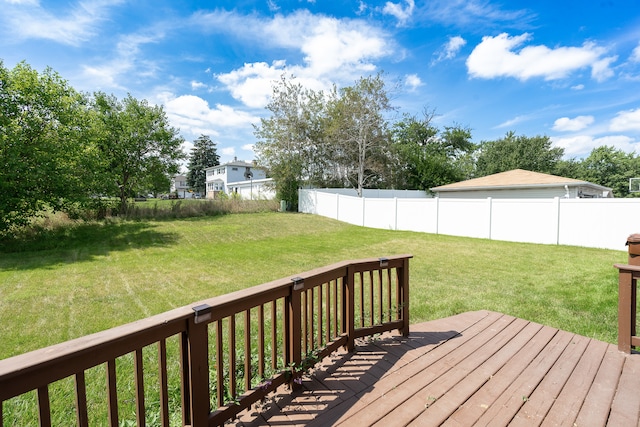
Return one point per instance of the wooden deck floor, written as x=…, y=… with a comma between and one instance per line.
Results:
x=476, y=368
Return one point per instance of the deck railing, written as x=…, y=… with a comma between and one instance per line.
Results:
x=204, y=363
x=627, y=306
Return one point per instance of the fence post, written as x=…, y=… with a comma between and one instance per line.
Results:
x=198, y=346
x=625, y=280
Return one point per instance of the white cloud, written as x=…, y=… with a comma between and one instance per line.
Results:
x=451, y=48
x=582, y=145
x=565, y=124
x=197, y=85
x=248, y=147
x=252, y=83
x=328, y=44
x=475, y=13
x=402, y=14
x=626, y=121
x=514, y=121
x=578, y=87
x=193, y=115
x=28, y=19
x=412, y=81
x=497, y=57
x=126, y=62
x=228, y=151
x=333, y=50
x=601, y=71
x=635, y=54
x=273, y=7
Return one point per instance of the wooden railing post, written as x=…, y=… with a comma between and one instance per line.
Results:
x=625, y=280
x=627, y=300
x=294, y=329
x=199, y=366
x=403, y=291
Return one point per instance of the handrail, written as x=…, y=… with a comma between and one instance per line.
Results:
x=223, y=354
x=627, y=306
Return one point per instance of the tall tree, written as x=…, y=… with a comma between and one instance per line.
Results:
x=359, y=132
x=291, y=143
x=612, y=168
x=204, y=154
x=42, y=128
x=518, y=152
x=136, y=145
x=427, y=157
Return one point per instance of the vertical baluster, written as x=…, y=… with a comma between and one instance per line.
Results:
x=329, y=313
x=261, y=341
x=164, y=383
x=320, y=318
x=361, y=275
x=247, y=350
x=310, y=305
x=185, y=385
x=112, y=393
x=380, y=298
x=286, y=332
x=389, y=294
x=274, y=336
x=305, y=316
x=232, y=356
x=335, y=307
x=139, y=385
x=219, y=364
x=82, y=417
x=44, y=406
x=372, y=310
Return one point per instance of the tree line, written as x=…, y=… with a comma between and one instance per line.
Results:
x=354, y=137
x=75, y=152
x=69, y=151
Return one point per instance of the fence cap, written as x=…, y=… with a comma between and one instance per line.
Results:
x=633, y=238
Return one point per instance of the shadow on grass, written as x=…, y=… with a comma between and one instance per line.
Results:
x=80, y=242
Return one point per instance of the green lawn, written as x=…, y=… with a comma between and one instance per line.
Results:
x=93, y=277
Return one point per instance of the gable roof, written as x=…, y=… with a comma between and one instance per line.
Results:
x=517, y=178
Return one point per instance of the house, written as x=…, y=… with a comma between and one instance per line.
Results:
x=180, y=188
x=522, y=184
x=239, y=177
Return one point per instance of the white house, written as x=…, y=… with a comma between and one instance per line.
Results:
x=522, y=184
x=179, y=186
x=239, y=177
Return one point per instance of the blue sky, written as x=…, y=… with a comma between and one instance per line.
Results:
x=567, y=69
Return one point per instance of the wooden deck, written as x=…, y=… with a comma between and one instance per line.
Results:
x=476, y=368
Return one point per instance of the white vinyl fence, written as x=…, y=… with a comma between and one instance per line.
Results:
x=596, y=223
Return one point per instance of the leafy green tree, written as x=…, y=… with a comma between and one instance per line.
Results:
x=135, y=145
x=203, y=155
x=427, y=157
x=358, y=131
x=42, y=128
x=291, y=143
x=612, y=168
x=517, y=152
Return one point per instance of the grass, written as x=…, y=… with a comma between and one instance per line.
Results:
x=89, y=277
x=67, y=279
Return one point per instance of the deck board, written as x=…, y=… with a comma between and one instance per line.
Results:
x=476, y=368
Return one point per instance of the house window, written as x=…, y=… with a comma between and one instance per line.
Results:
x=234, y=169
